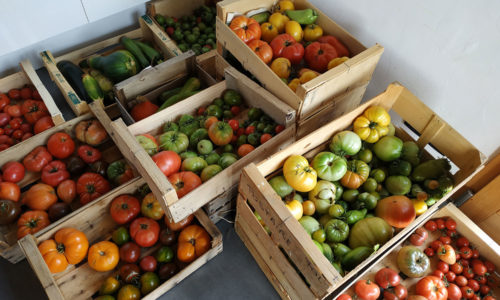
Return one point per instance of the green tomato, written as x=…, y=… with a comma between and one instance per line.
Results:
x=336, y=231
x=323, y=196
x=227, y=160
x=198, y=135
x=411, y=153
x=254, y=114
x=324, y=219
x=269, y=128
x=188, y=154
x=242, y=139
x=365, y=155
x=260, y=127
x=319, y=235
x=109, y=286
x=280, y=186
x=120, y=236
x=214, y=110
x=212, y=158
x=370, y=232
x=400, y=167
x=370, y=185
x=309, y=224
x=388, y=148
x=340, y=250
x=345, y=143
x=128, y=292
x=366, y=200
x=231, y=97
x=188, y=124
x=398, y=185
x=329, y=166
x=336, y=211
x=218, y=102
x=149, y=281
x=164, y=255
x=209, y=172
x=350, y=195
x=194, y=164
x=228, y=148
x=254, y=139
x=204, y=147
x=339, y=191
x=170, y=126
x=378, y=174
x=175, y=141
x=298, y=197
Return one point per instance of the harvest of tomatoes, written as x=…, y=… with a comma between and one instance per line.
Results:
x=22, y=115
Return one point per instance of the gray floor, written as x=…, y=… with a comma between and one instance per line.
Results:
x=233, y=274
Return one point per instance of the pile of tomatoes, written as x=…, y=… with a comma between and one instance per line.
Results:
x=22, y=114
x=67, y=168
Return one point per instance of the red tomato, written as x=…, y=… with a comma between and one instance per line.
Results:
x=13, y=110
x=15, y=123
x=89, y=154
x=91, y=186
x=473, y=284
x=26, y=136
x=432, y=288
x=130, y=252
x=34, y=110
x=399, y=292
x=245, y=28
x=66, y=191
x=17, y=134
x=366, y=290
x=461, y=280
x=168, y=162
x=440, y=224
x=462, y=242
x=467, y=292
x=435, y=245
x=475, y=253
x=25, y=127
x=468, y=272
x=54, y=173
x=4, y=119
x=450, y=224
x=480, y=279
x=465, y=252
x=184, y=182
x=457, y=268
x=438, y=273
x=244, y=149
x=235, y=125
x=61, y=145
x=249, y=129
x=235, y=110
x=284, y=45
x=446, y=240
x=3, y=147
x=386, y=278
x=451, y=233
x=318, y=55
x=429, y=252
x=443, y=267
x=4, y=101
x=489, y=266
x=240, y=131
x=13, y=171
x=9, y=191
x=341, y=49
x=279, y=128
x=36, y=95
x=450, y=276
x=418, y=238
x=145, y=231
x=43, y=124
x=344, y=297
x=14, y=94
x=26, y=93
x=478, y=267
x=265, y=137
x=484, y=289
x=124, y=208
x=148, y=263
x=200, y=111
x=262, y=50
x=130, y=273
x=37, y=159
x=464, y=262
x=454, y=292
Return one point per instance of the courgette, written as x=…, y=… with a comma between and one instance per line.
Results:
x=104, y=83
x=431, y=169
x=355, y=257
x=92, y=87
x=117, y=66
x=167, y=94
x=152, y=55
x=135, y=50
x=190, y=88
x=73, y=74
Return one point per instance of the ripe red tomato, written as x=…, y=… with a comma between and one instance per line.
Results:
x=148, y=263
x=438, y=273
x=446, y=240
x=318, y=55
x=387, y=277
x=443, y=267
x=399, y=292
x=143, y=110
x=344, y=297
x=9, y=191
x=429, y=252
x=36, y=95
x=464, y=262
x=33, y=110
x=366, y=290
x=61, y=145
x=130, y=252
x=17, y=134
x=26, y=93
x=26, y=136
x=54, y=173
x=15, y=123
x=37, y=159
x=200, y=111
x=13, y=110
x=480, y=279
x=89, y=154
x=475, y=253
x=14, y=94
x=4, y=119
x=262, y=50
x=468, y=272
x=235, y=110
x=451, y=233
x=432, y=288
x=13, y=171
x=4, y=101
x=124, y=208
x=145, y=231
x=284, y=45
x=91, y=186
x=484, y=289
x=457, y=268
x=462, y=242
x=66, y=191
x=461, y=280
x=43, y=124
x=454, y=292
x=450, y=276
x=450, y=224
x=249, y=129
x=265, y=137
x=184, y=182
x=418, y=238
x=130, y=273
x=168, y=162
x=489, y=266
x=279, y=128
x=465, y=252
x=479, y=268
x=440, y=224
x=467, y=292
x=435, y=245
x=473, y=284
x=235, y=125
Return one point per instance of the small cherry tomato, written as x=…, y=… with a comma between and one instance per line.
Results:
x=450, y=276
x=14, y=94
x=429, y=252
x=265, y=137
x=484, y=289
x=461, y=281
x=450, y=224
x=234, y=124
x=474, y=285
x=446, y=240
x=439, y=274
x=462, y=242
x=475, y=253
x=435, y=245
x=467, y=292
x=249, y=129
x=440, y=224
x=468, y=273
x=465, y=252
x=279, y=128
x=457, y=268
x=235, y=110
x=443, y=267
x=489, y=266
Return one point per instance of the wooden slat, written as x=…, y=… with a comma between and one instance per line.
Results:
x=490, y=171
x=156, y=33
x=13, y=81
x=484, y=203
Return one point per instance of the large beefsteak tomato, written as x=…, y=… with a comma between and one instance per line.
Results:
x=91, y=186
x=169, y=162
x=37, y=159
x=124, y=208
x=329, y=166
x=69, y=246
x=145, y=231
x=356, y=175
x=262, y=49
x=398, y=211
x=31, y=222
x=193, y=241
x=345, y=143
x=432, y=288
x=54, y=173
x=318, y=55
x=370, y=232
x=284, y=45
x=91, y=132
x=184, y=182
x=40, y=197
x=373, y=124
x=247, y=29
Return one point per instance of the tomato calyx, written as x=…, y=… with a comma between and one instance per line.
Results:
x=32, y=223
x=372, y=125
x=144, y=226
x=124, y=206
x=60, y=248
x=90, y=188
x=179, y=185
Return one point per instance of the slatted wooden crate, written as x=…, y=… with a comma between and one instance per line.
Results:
x=28, y=76
x=254, y=96
x=149, y=32
x=331, y=94
x=9, y=249
x=82, y=282
x=289, y=245
x=488, y=249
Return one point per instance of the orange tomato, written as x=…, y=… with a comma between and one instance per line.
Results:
x=176, y=226
x=193, y=241
x=41, y=196
x=397, y=211
x=31, y=222
x=66, y=190
x=269, y=32
x=245, y=149
x=209, y=121
x=9, y=191
x=282, y=67
x=262, y=49
x=184, y=182
x=247, y=29
x=69, y=246
x=103, y=256
x=308, y=207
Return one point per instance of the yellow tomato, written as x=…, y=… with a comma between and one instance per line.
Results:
x=420, y=206
x=294, y=84
x=307, y=76
x=269, y=32
x=298, y=174
x=337, y=61
x=295, y=207
x=282, y=67
x=294, y=29
x=309, y=208
x=312, y=32
x=284, y=5
x=279, y=20
x=373, y=124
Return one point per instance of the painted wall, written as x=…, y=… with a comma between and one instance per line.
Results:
x=444, y=51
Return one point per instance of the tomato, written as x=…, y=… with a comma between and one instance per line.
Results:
x=268, y=32
x=440, y=224
x=450, y=276
x=329, y=166
x=109, y=287
x=278, y=20
x=341, y=48
x=220, y=133
x=4, y=119
x=369, y=232
x=148, y=263
x=61, y=145
x=284, y=45
x=165, y=254
x=465, y=252
x=43, y=124
x=151, y=208
x=294, y=29
x=443, y=267
x=298, y=174
x=209, y=121
x=313, y=32
x=446, y=240
x=489, y=266
x=54, y=173
x=91, y=186
x=31, y=222
x=462, y=242
x=119, y=172
x=446, y=253
x=124, y=208
x=90, y=132
x=357, y=173
x=418, y=238
x=13, y=110
x=17, y=134
x=480, y=279
x=143, y=110
x=468, y=272
x=438, y=273
x=34, y=110
x=235, y=110
x=149, y=282
x=174, y=141
x=450, y=224
x=13, y=171
x=373, y=124
x=473, y=284
x=345, y=143
x=367, y=290
x=282, y=67
x=399, y=292
x=412, y=261
x=177, y=226
x=128, y=292
x=479, y=268
x=235, y=125
x=467, y=292
x=130, y=252
x=148, y=142
x=432, y=288
x=461, y=280
x=435, y=245
x=386, y=278
x=250, y=129
x=247, y=29
x=454, y=292
x=262, y=50
x=4, y=101
x=193, y=242
x=26, y=93
x=103, y=256
x=475, y=253
x=168, y=162
x=429, y=252
x=40, y=197
x=398, y=211
x=484, y=289
x=69, y=246
x=318, y=55
x=245, y=149
x=89, y=154
x=9, y=211
x=9, y=191
x=144, y=231
x=14, y=94
x=344, y=297
x=184, y=182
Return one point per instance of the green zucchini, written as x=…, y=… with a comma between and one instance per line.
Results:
x=355, y=257
x=431, y=169
x=153, y=55
x=92, y=87
x=73, y=75
x=189, y=89
x=167, y=94
x=104, y=83
x=117, y=66
x=135, y=50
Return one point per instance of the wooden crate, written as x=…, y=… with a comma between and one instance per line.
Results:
x=28, y=76
x=9, y=249
x=254, y=95
x=345, y=83
x=488, y=249
x=80, y=281
x=286, y=232
x=149, y=32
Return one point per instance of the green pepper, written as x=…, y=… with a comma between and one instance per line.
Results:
x=304, y=17
x=354, y=216
x=261, y=17
x=336, y=230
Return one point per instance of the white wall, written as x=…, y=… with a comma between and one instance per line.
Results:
x=446, y=52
